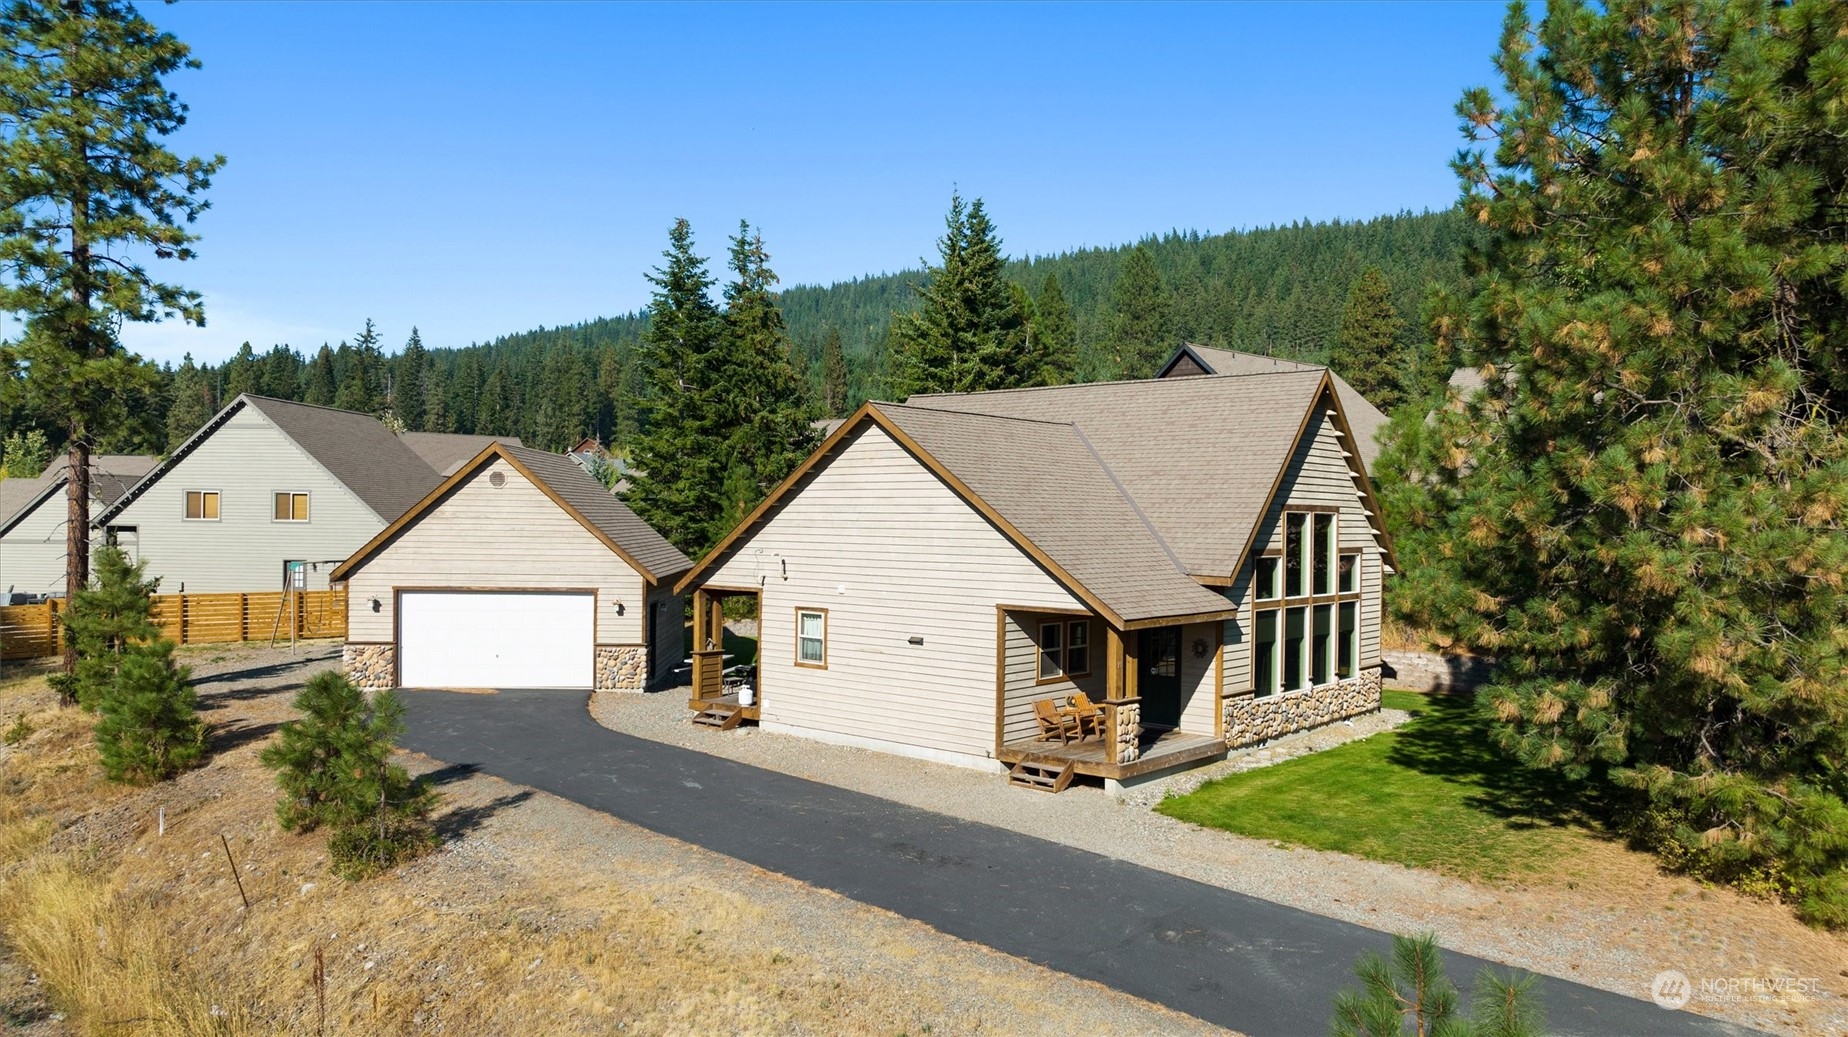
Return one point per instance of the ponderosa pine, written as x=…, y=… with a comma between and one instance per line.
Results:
x=106, y=622
x=148, y=727
x=1642, y=512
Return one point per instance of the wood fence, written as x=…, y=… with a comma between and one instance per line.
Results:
x=32, y=631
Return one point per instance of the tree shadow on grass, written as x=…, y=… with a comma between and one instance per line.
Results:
x=455, y=824
x=225, y=737
x=1451, y=739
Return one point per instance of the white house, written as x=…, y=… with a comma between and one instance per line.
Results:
x=33, y=515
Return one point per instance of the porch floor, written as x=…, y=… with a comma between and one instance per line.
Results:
x=728, y=703
x=1161, y=750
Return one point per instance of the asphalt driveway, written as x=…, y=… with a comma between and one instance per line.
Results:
x=1230, y=959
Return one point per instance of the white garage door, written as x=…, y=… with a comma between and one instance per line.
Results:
x=478, y=639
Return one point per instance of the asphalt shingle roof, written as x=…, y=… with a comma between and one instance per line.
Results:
x=357, y=449
x=111, y=475
x=578, y=488
x=1199, y=456
x=1364, y=418
x=445, y=451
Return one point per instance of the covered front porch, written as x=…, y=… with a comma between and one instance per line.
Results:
x=1149, y=698
x=719, y=691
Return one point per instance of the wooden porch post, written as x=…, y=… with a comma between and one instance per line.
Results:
x=708, y=663
x=1122, y=706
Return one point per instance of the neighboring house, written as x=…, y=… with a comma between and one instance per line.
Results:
x=1368, y=421
x=936, y=567
x=33, y=515
x=269, y=486
x=519, y=571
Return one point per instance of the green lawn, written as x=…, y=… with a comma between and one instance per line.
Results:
x=1434, y=793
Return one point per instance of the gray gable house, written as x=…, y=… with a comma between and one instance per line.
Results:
x=33, y=514
x=268, y=486
x=518, y=571
x=1368, y=421
x=1201, y=557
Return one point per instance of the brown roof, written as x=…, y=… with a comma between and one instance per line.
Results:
x=1198, y=456
x=1364, y=418
x=356, y=449
x=445, y=451
x=111, y=476
x=1074, y=511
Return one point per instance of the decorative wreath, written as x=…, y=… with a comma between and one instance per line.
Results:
x=1200, y=648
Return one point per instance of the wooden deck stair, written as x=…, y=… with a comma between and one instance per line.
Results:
x=1046, y=777
x=722, y=715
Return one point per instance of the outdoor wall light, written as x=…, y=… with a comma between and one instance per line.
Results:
x=914, y=639
x=619, y=608
x=375, y=605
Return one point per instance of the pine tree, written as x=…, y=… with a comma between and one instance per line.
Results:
x=1641, y=513
x=833, y=375
x=969, y=336
x=407, y=384
x=1140, y=333
x=465, y=394
x=1408, y=995
x=493, y=413
x=282, y=373
x=320, y=385
x=242, y=373
x=149, y=728
x=678, y=479
x=436, y=400
x=1367, y=350
x=191, y=406
x=770, y=430
x=360, y=389
x=106, y=621
x=1055, y=334
x=86, y=183
x=334, y=769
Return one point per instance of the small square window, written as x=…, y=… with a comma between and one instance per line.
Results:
x=812, y=638
x=1078, y=649
x=202, y=505
x=291, y=507
x=1051, y=650
x=1350, y=573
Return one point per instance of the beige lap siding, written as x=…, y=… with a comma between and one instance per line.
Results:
x=1021, y=667
x=1318, y=476
x=892, y=553
x=32, y=552
x=1199, y=703
x=507, y=538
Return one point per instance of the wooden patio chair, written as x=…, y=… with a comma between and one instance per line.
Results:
x=1090, y=716
x=1054, y=724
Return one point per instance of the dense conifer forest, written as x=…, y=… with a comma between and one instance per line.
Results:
x=1279, y=290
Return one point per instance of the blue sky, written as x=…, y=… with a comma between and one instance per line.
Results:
x=488, y=168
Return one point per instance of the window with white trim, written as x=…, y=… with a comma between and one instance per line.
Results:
x=291, y=506
x=202, y=505
x=1306, y=593
x=812, y=638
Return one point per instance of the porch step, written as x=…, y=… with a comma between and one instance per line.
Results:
x=1046, y=777
x=720, y=715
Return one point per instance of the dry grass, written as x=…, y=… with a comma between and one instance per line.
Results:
x=135, y=932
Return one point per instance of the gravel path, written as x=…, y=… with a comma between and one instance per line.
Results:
x=1614, y=926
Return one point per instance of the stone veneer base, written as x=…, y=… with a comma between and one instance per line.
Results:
x=622, y=668
x=371, y=668
x=1250, y=721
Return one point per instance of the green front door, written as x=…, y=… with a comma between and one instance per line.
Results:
x=1159, y=683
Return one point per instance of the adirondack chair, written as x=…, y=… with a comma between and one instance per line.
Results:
x=1089, y=715
x=1054, y=724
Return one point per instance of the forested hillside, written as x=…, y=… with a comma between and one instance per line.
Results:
x=1280, y=290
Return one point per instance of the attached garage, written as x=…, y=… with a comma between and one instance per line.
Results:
x=492, y=639
x=519, y=571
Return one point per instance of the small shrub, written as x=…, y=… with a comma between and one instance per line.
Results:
x=105, y=622
x=19, y=732
x=149, y=728
x=1409, y=994
x=361, y=850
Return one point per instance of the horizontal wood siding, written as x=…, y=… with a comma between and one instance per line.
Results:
x=1020, y=669
x=1318, y=476
x=671, y=643
x=892, y=553
x=247, y=460
x=1198, y=703
x=507, y=537
x=32, y=552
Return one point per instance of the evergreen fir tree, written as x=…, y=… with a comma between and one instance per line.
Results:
x=243, y=373
x=149, y=728
x=493, y=415
x=833, y=375
x=320, y=385
x=1140, y=333
x=1367, y=350
x=465, y=394
x=360, y=385
x=106, y=622
x=1055, y=334
x=436, y=400
x=679, y=475
x=412, y=371
x=282, y=373
x=770, y=429
x=191, y=406
x=968, y=336
x=1642, y=512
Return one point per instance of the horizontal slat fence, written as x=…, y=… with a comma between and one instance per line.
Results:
x=32, y=631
